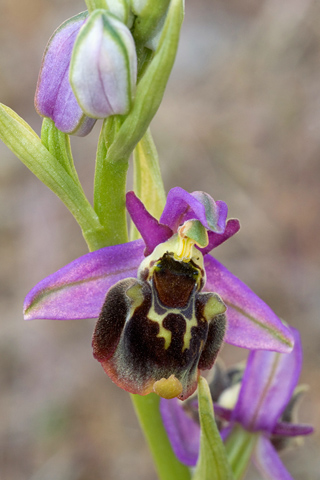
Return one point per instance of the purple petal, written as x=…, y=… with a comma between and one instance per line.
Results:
x=150, y=229
x=250, y=322
x=54, y=97
x=78, y=290
x=267, y=386
x=183, y=432
x=182, y=206
x=215, y=239
x=216, y=212
x=268, y=462
x=292, y=429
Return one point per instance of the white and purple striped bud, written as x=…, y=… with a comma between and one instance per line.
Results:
x=54, y=97
x=103, y=69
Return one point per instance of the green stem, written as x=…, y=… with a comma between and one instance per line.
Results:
x=110, y=187
x=239, y=446
x=167, y=465
x=110, y=202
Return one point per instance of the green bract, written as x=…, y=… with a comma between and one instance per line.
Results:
x=213, y=462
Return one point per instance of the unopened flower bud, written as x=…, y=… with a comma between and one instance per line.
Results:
x=54, y=96
x=103, y=69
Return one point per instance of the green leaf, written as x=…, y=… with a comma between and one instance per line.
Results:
x=58, y=144
x=213, y=463
x=151, y=86
x=27, y=146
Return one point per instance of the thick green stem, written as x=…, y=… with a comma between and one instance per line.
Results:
x=167, y=465
x=110, y=187
x=109, y=201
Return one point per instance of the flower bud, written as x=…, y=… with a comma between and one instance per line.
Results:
x=54, y=96
x=103, y=69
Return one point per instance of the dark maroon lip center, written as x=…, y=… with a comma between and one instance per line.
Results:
x=174, y=281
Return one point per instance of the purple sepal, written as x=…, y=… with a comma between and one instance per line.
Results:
x=222, y=412
x=292, y=429
x=250, y=322
x=268, y=462
x=215, y=239
x=54, y=97
x=182, y=206
x=267, y=386
x=183, y=432
x=150, y=229
x=78, y=290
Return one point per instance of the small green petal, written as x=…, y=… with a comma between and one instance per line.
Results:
x=194, y=230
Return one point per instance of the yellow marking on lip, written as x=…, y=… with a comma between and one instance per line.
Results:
x=187, y=336
x=168, y=387
x=167, y=334
x=184, y=252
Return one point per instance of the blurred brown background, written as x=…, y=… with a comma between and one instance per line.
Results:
x=240, y=120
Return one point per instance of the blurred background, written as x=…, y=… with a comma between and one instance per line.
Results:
x=240, y=120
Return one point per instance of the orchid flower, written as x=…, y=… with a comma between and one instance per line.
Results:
x=161, y=300
x=263, y=402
